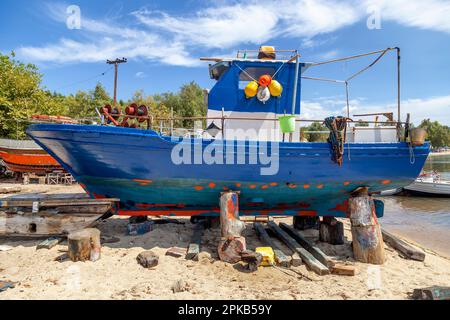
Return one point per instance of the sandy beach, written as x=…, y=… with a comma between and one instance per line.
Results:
x=117, y=275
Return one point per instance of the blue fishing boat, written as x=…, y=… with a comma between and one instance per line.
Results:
x=158, y=173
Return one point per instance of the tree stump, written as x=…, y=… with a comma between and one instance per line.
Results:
x=231, y=243
x=368, y=245
x=84, y=245
x=331, y=231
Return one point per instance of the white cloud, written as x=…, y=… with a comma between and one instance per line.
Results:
x=174, y=39
x=435, y=108
x=429, y=14
x=140, y=74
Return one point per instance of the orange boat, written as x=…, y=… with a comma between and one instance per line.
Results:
x=26, y=156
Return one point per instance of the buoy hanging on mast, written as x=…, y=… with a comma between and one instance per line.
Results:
x=263, y=94
x=264, y=80
x=275, y=88
x=251, y=89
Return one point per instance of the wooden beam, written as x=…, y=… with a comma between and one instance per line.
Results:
x=44, y=223
x=211, y=59
x=307, y=257
x=308, y=245
x=403, y=247
x=55, y=202
x=280, y=257
x=195, y=243
x=343, y=270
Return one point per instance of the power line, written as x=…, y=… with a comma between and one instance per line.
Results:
x=85, y=80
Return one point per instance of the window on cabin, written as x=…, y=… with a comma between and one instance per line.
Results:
x=253, y=73
x=217, y=70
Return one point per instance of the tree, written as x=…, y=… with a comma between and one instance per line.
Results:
x=83, y=104
x=437, y=134
x=315, y=136
x=20, y=95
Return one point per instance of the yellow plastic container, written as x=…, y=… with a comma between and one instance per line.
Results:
x=268, y=256
x=251, y=89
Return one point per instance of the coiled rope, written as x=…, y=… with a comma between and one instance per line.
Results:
x=338, y=130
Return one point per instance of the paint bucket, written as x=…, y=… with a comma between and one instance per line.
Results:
x=287, y=123
x=417, y=136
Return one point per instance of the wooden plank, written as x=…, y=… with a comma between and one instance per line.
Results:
x=10, y=189
x=343, y=269
x=308, y=245
x=55, y=202
x=195, y=243
x=44, y=223
x=49, y=243
x=280, y=257
x=307, y=257
x=403, y=247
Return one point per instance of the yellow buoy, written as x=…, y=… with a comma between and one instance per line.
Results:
x=275, y=88
x=251, y=89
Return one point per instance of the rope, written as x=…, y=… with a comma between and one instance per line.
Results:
x=246, y=73
x=338, y=130
x=412, y=156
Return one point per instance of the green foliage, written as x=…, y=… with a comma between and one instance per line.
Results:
x=315, y=136
x=437, y=134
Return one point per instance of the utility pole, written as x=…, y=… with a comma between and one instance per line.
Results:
x=116, y=65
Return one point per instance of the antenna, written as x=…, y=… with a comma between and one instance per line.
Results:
x=116, y=65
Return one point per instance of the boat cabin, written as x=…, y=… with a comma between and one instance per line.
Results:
x=254, y=116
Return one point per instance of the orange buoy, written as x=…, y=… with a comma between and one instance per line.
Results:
x=264, y=80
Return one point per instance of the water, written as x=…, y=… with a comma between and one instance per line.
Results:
x=422, y=219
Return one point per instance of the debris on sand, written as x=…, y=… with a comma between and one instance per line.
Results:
x=180, y=286
x=147, y=259
x=176, y=252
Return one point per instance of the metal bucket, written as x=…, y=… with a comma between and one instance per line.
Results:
x=417, y=136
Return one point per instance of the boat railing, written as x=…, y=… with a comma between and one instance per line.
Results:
x=168, y=125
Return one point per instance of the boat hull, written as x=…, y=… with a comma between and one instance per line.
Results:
x=25, y=156
x=429, y=189
x=137, y=167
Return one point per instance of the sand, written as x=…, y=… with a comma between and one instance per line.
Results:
x=117, y=275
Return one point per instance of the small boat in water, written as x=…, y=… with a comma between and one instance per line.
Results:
x=429, y=184
x=243, y=148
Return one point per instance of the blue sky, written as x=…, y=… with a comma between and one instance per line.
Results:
x=164, y=39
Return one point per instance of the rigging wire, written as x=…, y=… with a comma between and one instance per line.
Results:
x=85, y=80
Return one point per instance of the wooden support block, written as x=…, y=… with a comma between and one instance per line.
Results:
x=84, y=245
x=308, y=245
x=230, y=249
x=367, y=242
x=307, y=257
x=305, y=223
x=343, y=269
x=49, y=243
x=331, y=231
x=400, y=245
x=231, y=244
x=195, y=243
x=280, y=258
